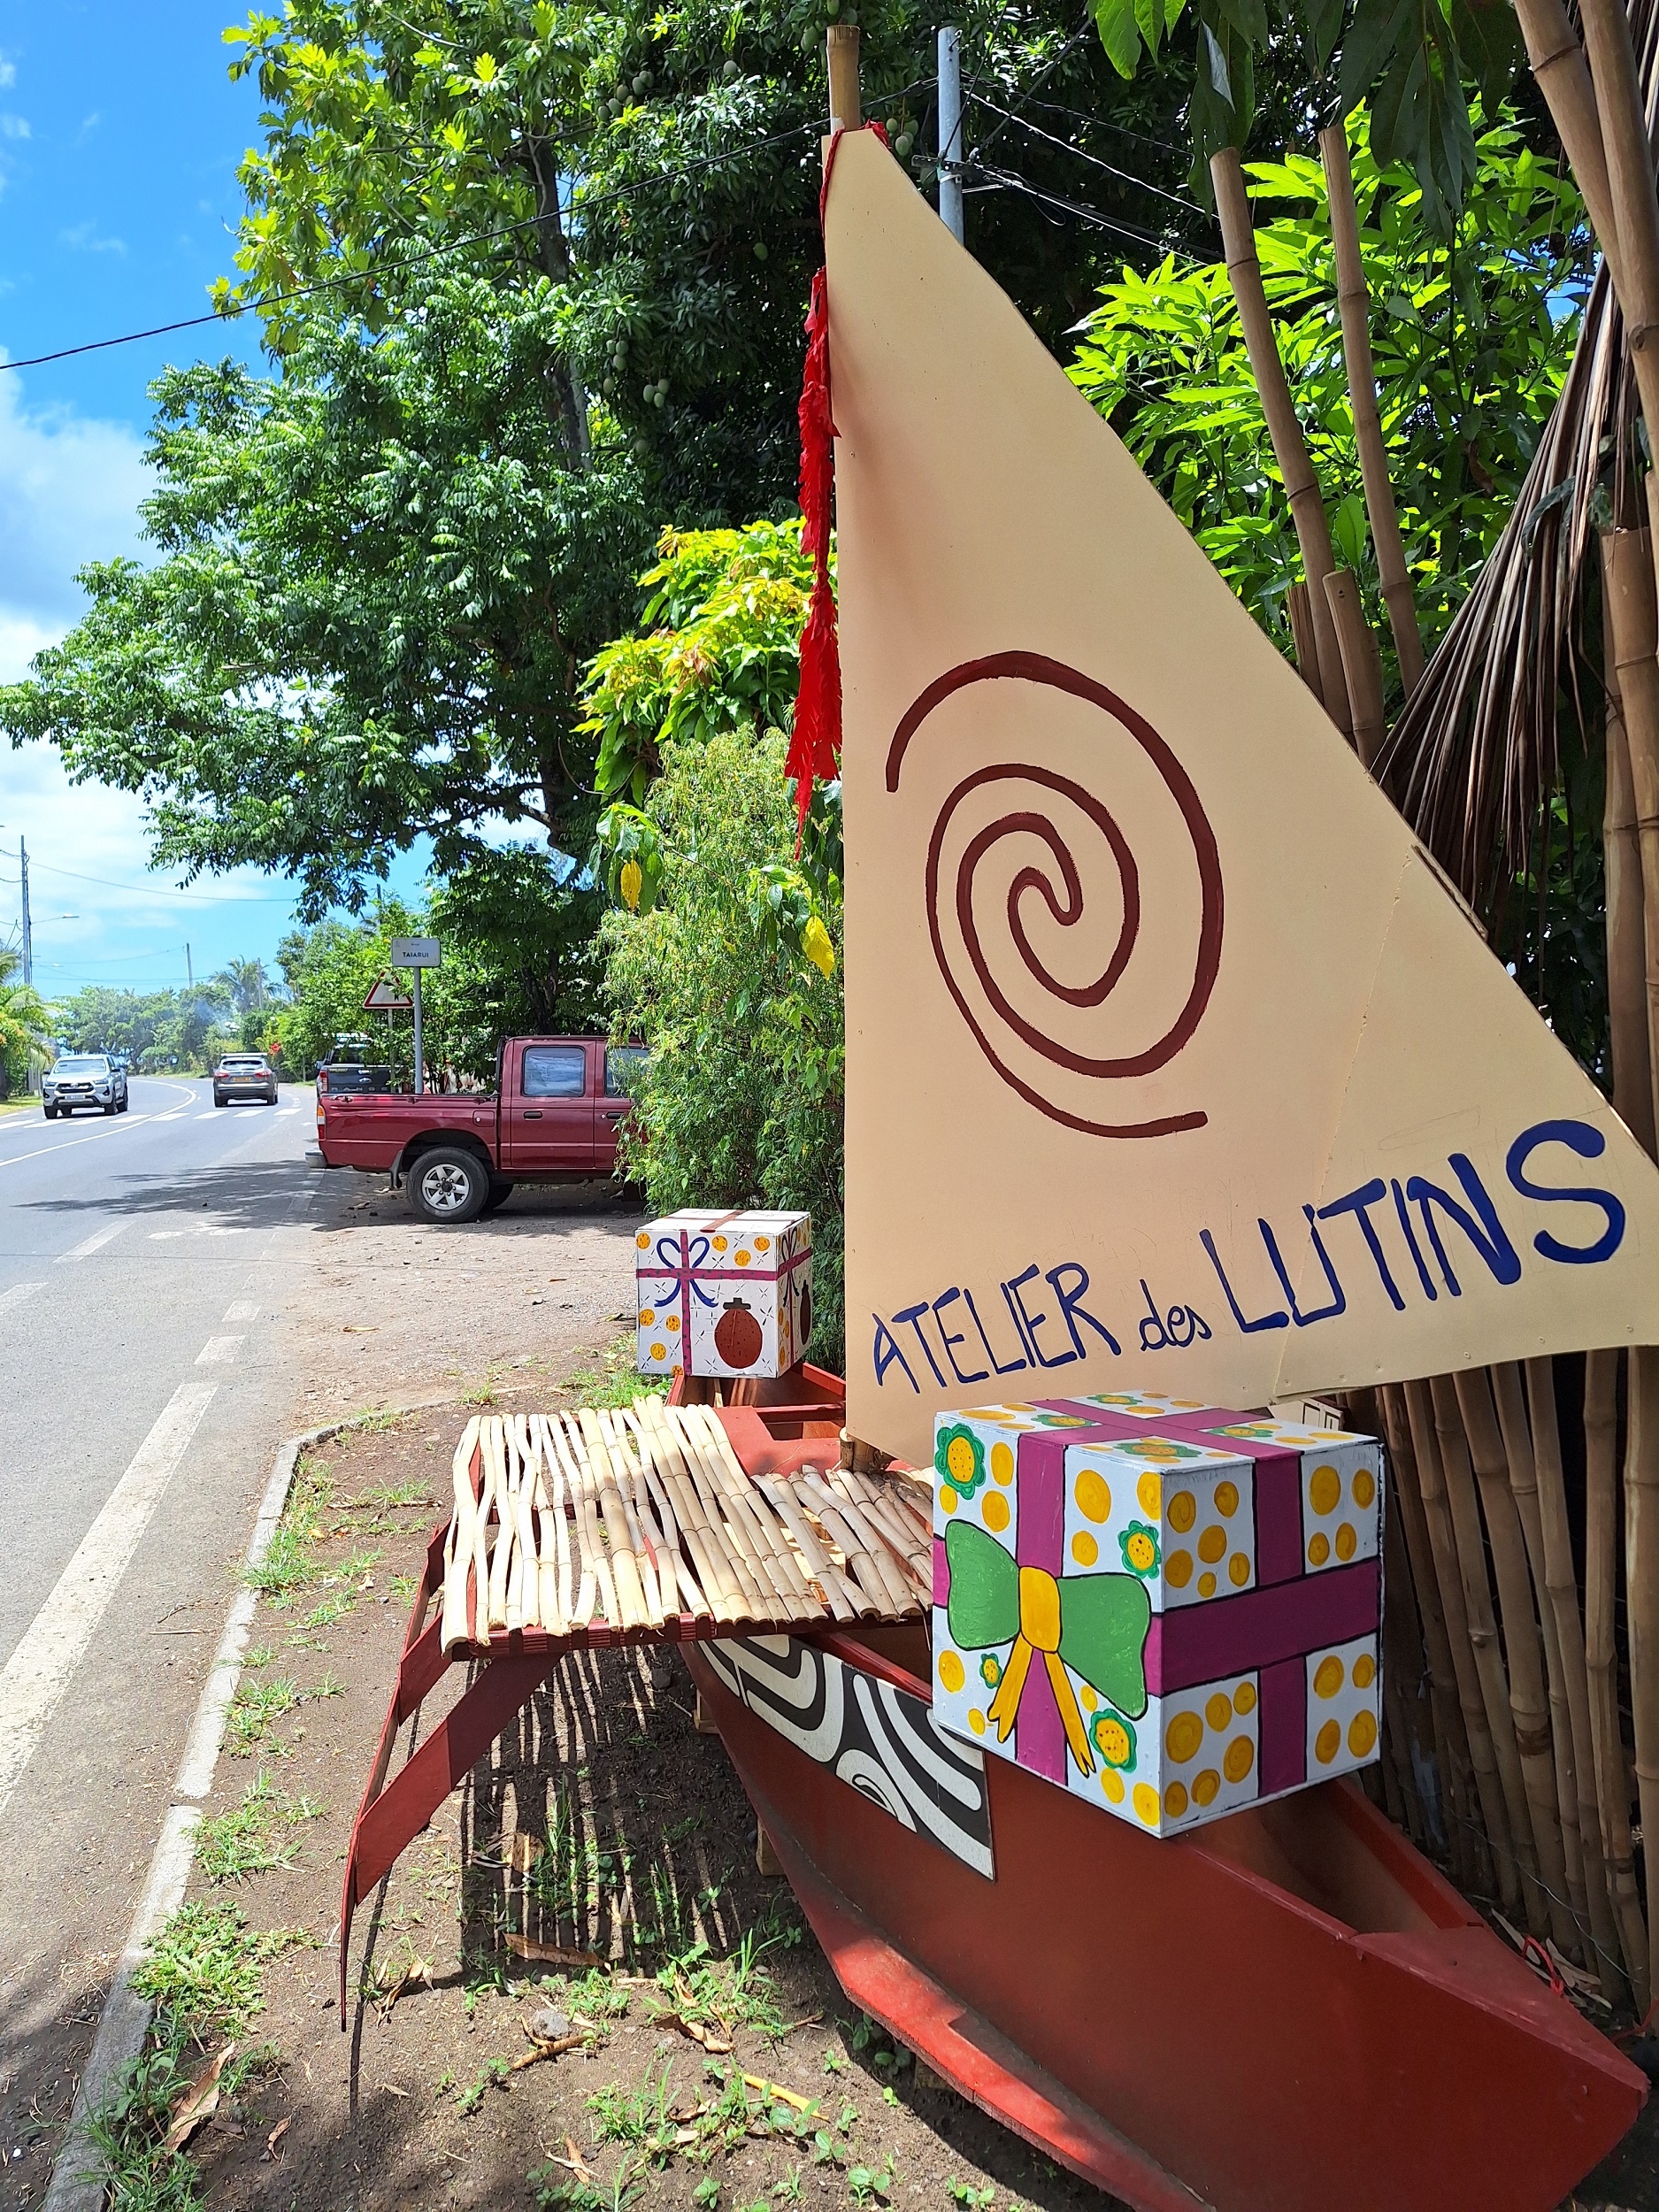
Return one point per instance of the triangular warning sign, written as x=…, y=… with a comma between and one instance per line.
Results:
x=1171, y=1062
x=385, y=998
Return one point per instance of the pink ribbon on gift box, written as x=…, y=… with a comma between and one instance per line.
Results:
x=687, y=1269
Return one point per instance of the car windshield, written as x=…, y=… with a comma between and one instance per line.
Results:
x=256, y=1067
x=86, y=1063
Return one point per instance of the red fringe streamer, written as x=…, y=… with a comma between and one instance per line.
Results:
x=815, y=745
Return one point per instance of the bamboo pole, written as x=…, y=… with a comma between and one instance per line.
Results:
x=459, y=1546
x=1458, y=1476
x=1448, y=1573
x=1642, y=1582
x=1601, y=1525
x=1627, y=992
x=1354, y=305
x=1529, y=1704
x=1564, y=78
x=1621, y=112
x=1362, y=669
x=1523, y=1465
x=1299, y=610
x=845, y=112
x=1628, y=580
x=1560, y=1582
x=1290, y=447
x=1451, y=1743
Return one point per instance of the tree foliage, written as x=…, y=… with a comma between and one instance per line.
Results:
x=25, y=1024
x=1471, y=337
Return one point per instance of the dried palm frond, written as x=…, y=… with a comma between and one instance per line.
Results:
x=1473, y=757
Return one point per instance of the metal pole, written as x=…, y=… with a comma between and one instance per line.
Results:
x=189, y=973
x=421, y=1084
x=950, y=139
x=28, y=938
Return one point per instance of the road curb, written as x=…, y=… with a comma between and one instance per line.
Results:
x=126, y=2017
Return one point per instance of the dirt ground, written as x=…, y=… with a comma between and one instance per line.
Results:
x=603, y=1822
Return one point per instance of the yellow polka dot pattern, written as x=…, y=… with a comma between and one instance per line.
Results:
x=1150, y=1491
x=1218, y=1709
x=1324, y=1489
x=1241, y=1757
x=976, y=1721
x=1211, y=1544
x=1001, y=1464
x=1226, y=1499
x=1183, y=1736
x=1207, y=1748
x=951, y=1673
x=1318, y=1549
x=1346, y=1541
x=995, y=1511
x=1094, y=1498
x=1146, y=1803
x=1238, y=1571
x=1087, y=1698
x=1362, y=1735
x=1085, y=1550
x=1343, y=1720
x=1205, y=1785
x=1183, y=1511
x=1364, y=1672
x=1327, y=1743
x=1175, y=1800
x=1244, y=1698
x=643, y=1242
x=1364, y=1489
x=1206, y=1585
x=1328, y=1677
x=1112, y=1783
x=1177, y=1570
x=948, y=1499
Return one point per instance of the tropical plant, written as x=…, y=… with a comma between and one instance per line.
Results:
x=25, y=1024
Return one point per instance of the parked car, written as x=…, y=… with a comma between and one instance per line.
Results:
x=84, y=1078
x=244, y=1075
x=553, y=1118
x=354, y=1064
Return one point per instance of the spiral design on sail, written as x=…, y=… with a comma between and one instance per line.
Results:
x=1026, y=802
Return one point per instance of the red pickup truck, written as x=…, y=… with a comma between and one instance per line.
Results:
x=552, y=1118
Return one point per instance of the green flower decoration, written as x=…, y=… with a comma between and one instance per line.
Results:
x=1139, y=1545
x=1114, y=1739
x=990, y=1671
x=959, y=1459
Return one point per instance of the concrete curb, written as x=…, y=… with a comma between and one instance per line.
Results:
x=125, y=2017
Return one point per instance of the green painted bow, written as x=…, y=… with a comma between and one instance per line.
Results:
x=1095, y=1624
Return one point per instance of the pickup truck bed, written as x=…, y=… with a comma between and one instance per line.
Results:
x=553, y=1118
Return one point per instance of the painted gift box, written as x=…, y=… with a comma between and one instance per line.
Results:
x=723, y=1294
x=1168, y=1609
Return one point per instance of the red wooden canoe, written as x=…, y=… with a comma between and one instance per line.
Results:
x=1287, y=2011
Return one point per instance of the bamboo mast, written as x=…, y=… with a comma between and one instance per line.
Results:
x=1601, y=1525
x=1528, y=1702
x=1483, y=1757
x=1628, y=578
x=1622, y=864
x=1458, y=1476
x=1562, y=74
x=1362, y=666
x=1451, y=1744
x=1522, y=1465
x=1560, y=1582
x=1290, y=447
x=1354, y=307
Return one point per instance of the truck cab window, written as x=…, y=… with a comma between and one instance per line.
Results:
x=554, y=1071
x=622, y=1063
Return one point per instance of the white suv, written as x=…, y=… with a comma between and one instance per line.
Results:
x=84, y=1078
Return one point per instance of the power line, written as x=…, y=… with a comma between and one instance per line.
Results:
x=1126, y=176
x=1010, y=180
x=153, y=890
x=455, y=245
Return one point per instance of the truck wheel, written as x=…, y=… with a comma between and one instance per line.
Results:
x=50, y=1113
x=448, y=1185
x=500, y=1191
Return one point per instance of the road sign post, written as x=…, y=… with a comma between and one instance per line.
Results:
x=417, y=953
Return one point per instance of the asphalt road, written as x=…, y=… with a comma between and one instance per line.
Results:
x=146, y=1261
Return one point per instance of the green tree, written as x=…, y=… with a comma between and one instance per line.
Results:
x=1471, y=341
x=97, y=1019
x=25, y=1037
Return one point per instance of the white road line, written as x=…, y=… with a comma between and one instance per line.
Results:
x=117, y=1128
x=244, y=1310
x=212, y=1115
x=93, y=1243
x=18, y=1292
x=55, y=1642
x=218, y=1351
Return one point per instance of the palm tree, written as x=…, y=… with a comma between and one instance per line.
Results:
x=25, y=1036
x=248, y=986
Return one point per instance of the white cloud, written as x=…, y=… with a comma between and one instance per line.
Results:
x=8, y=73
x=14, y=126
x=69, y=494
x=84, y=238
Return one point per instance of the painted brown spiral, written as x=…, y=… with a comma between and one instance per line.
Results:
x=1061, y=891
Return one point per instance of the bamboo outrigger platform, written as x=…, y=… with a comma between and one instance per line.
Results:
x=586, y=1531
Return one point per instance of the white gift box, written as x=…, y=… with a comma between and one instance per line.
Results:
x=723, y=1294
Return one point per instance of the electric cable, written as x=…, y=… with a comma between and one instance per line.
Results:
x=1127, y=176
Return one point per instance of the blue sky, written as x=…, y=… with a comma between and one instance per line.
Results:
x=120, y=134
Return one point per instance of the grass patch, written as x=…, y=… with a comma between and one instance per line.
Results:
x=256, y=1708
x=403, y=1588
x=205, y=1967
x=617, y=1382
x=386, y=1496
x=291, y=1565
x=256, y=1836
x=574, y=1872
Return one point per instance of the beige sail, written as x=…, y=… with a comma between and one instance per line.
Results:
x=1173, y=1064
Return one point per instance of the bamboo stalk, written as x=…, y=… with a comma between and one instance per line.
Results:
x=560, y=1486
x=875, y=1546
x=1299, y=610
x=675, y=1500
x=1290, y=447
x=1601, y=1657
x=767, y=1553
x=1529, y=1702
x=1523, y=1465
x=1353, y=301
x=1560, y=1582
x=1628, y=581
x=720, y=1583
x=723, y=1544
x=1622, y=872
x=501, y=1558
x=1564, y=78
x=841, y=1596
x=1628, y=149
x=624, y=1567
x=1642, y=1582
x=595, y=1567
x=1362, y=669
x=1450, y=1741
x=1458, y=1476
x=624, y=1470
x=1449, y=1574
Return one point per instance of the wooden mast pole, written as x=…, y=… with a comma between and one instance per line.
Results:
x=846, y=111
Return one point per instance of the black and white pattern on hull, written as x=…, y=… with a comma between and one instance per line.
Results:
x=876, y=1739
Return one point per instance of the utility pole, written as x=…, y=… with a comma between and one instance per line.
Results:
x=28, y=944
x=951, y=139
x=189, y=973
